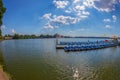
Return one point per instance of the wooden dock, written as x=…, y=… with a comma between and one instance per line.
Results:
x=60, y=46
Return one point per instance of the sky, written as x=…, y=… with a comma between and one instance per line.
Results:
x=66, y=17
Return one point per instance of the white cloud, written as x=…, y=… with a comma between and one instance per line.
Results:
x=47, y=16
x=13, y=31
x=108, y=26
x=60, y=3
x=48, y=26
x=67, y=11
x=78, y=10
x=114, y=18
x=105, y=5
x=107, y=20
x=85, y=13
x=83, y=16
x=82, y=29
x=78, y=7
x=76, y=1
x=3, y=27
x=88, y=3
x=101, y=5
x=103, y=9
x=64, y=19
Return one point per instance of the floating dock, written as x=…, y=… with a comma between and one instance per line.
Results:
x=60, y=46
x=82, y=46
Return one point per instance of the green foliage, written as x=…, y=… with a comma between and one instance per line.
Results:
x=2, y=11
x=16, y=36
x=0, y=33
x=33, y=36
x=1, y=37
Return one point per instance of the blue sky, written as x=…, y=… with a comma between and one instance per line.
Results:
x=67, y=17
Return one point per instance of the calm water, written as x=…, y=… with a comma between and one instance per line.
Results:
x=37, y=59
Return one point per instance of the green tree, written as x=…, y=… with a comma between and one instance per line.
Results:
x=2, y=11
x=16, y=36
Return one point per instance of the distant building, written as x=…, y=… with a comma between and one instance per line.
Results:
x=115, y=39
x=8, y=38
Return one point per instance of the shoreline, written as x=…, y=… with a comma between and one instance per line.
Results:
x=3, y=75
x=60, y=38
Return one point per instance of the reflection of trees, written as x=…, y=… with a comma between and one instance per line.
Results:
x=1, y=59
x=3, y=67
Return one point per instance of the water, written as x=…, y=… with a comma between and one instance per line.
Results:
x=38, y=59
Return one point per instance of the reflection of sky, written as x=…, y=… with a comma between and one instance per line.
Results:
x=68, y=17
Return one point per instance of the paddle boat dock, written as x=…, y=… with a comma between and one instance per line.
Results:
x=90, y=45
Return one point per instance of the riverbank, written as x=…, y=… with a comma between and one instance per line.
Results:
x=3, y=75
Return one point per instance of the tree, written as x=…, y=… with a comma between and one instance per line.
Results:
x=16, y=36
x=2, y=11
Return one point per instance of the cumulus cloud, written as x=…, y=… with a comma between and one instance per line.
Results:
x=88, y=3
x=107, y=20
x=114, y=18
x=48, y=26
x=47, y=16
x=85, y=13
x=68, y=11
x=105, y=5
x=77, y=10
x=76, y=1
x=53, y=20
x=13, y=31
x=3, y=27
x=78, y=7
x=64, y=19
x=60, y=3
x=101, y=5
x=108, y=26
x=83, y=16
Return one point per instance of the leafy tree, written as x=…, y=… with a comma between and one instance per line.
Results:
x=2, y=11
x=16, y=36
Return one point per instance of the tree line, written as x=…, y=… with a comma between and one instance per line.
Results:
x=33, y=36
